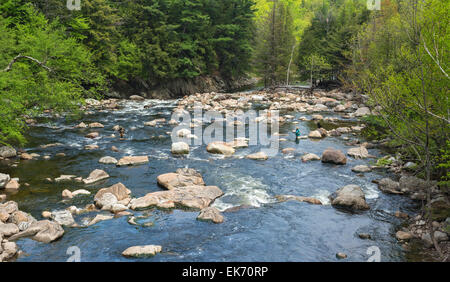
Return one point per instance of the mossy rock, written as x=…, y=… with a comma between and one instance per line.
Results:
x=440, y=210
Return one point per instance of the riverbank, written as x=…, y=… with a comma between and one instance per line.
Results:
x=303, y=184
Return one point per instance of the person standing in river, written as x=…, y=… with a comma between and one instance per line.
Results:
x=122, y=132
x=297, y=133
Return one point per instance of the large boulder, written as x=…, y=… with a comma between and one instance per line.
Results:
x=182, y=177
x=8, y=229
x=95, y=176
x=358, y=152
x=142, y=251
x=7, y=152
x=180, y=148
x=210, y=214
x=8, y=250
x=21, y=219
x=219, y=147
x=315, y=134
x=334, y=156
x=4, y=179
x=350, y=196
x=42, y=231
x=119, y=191
x=132, y=160
x=191, y=197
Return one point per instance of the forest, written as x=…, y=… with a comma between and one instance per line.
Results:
x=53, y=57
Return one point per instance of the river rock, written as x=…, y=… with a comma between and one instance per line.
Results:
x=8, y=229
x=310, y=200
x=7, y=152
x=142, y=251
x=258, y=156
x=440, y=236
x=92, y=135
x=310, y=157
x=410, y=184
x=137, y=98
x=63, y=217
x=341, y=256
x=10, y=250
x=238, y=143
x=389, y=186
x=194, y=197
x=350, y=196
x=288, y=150
x=315, y=134
x=132, y=160
x=180, y=148
x=100, y=217
x=118, y=190
x=91, y=147
x=4, y=179
x=81, y=125
x=219, y=147
x=404, y=236
x=21, y=219
x=2, y=197
x=12, y=185
x=155, y=122
x=26, y=156
x=361, y=168
x=95, y=176
x=107, y=160
x=184, y=132
x=80, y=192
x=67, y=194
x=210, y=214
x=42, y=231
x=362, y=112
x=182, y=177
x=358, y=152
x=333, y=156
x=96, y=125
x=65, y=178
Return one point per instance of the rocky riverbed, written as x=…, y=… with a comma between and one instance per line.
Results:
x=327, y=195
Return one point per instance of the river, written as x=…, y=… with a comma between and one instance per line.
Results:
x=269, y=231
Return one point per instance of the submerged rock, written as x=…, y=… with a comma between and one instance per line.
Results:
x=258, y=156
x=210, y=214
x=92, y=135
x=98, y=218
x=284, y=198
x=142, y=251
x=132, y=160
x=350, y=196
x=334, y=156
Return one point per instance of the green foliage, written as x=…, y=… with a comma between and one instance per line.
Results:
x=328, y=37
x=29, y=88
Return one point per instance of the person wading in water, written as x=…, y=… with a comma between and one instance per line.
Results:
x=122, y=132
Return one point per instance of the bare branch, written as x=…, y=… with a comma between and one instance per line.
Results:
x=9, y=67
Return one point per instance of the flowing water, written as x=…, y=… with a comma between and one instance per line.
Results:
x=262, y=230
